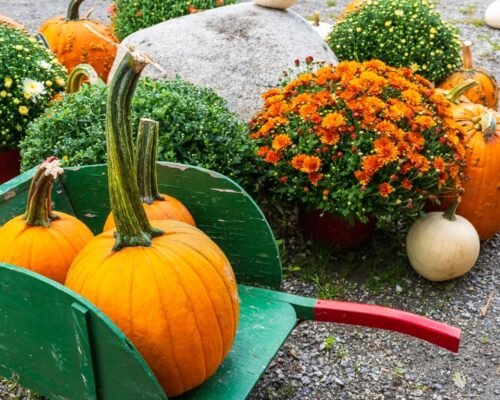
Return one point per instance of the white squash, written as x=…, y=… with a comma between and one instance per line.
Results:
x=492, y=15
x=442, y=246
x=323, y=29
x=279, y=4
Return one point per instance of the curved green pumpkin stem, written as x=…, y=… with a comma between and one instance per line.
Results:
x=147, y=148
x=74, y=10
x=488, y=124
x=41, y=39
x=450, y=213
x=455, y=93
x=39, y=203
x=132, y=225
x=80, y=74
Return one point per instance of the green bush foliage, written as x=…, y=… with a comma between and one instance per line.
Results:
x=129, y=16
x=195, y=128
x=30, y=76
x=402, y=34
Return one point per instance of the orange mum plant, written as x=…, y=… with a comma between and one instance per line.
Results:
x=359, y=139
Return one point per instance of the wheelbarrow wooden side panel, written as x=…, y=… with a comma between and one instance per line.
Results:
x=61, y=346
x=219, y=206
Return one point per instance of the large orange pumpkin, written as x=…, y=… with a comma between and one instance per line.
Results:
x=41, y=240
x=4, y=20
x=76, y=41
x=156, y=205
x=169, y=288
x=481, y=199
x=486, y=90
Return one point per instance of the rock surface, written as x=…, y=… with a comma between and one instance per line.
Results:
x=239, y=51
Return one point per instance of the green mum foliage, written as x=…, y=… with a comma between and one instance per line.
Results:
x=195, y=128
x=129, y=16
x=401, y=33
x=30, y=76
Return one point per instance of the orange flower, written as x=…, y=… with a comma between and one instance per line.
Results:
x=271, y=93
x=419, y=161
x=262, y=151
x=315, y=177
x=323, y=98
x=298, y=161
x=281, y=141
x=439, y=164
x=333, y=120
x=308, y=112
x=425, y=121
x=371, y=164
x=192, y=9
x=300, y=99
x=272, y=157
x=362, y=177
x=406, y=184
x=386, y=150
x=311, y=164
x=328, y=136
x=274, y=99
x=385, y=189
x=412, y=96
x=416, y=139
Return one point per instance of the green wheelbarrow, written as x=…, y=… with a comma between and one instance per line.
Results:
x=58, y=344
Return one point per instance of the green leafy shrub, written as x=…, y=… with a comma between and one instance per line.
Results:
x=195, y=128
x=129, y=16
x=402, y=34
x=30, y=76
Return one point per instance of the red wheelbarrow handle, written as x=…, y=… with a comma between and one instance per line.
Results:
x=372, y=316
x=367, y=315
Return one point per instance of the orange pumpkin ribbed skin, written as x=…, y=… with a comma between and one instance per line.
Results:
x=48, y=251
x=73, y=44
x=170, y=208
x=481, y=199
x=485, y=93
x=177, y=300
x=486, y=90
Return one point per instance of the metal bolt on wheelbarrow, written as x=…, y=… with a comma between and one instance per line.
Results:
x=61, y=346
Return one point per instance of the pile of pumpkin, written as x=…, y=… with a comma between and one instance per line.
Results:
x=176, y=275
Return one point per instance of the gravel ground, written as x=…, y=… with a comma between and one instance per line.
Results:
x=326, y=361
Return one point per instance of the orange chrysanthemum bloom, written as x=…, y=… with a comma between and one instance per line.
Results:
x=412, y=96
x=272, y=157
x=334, y=120
x=385, y=189
x=311, y=164
x=371, y=164
x=363, y=177
x=315, y=177
x=416, y=139
x=262, y=151
x=281, y=141
x=328, y=136
x=308, y=112
x=386, y=150
x=425, y=121
x=406, y=184
x=439, y=164
x=298, y=161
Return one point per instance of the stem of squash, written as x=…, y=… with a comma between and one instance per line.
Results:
x=467, y=55
x=39, y=204
x=74, y=10
x=132, y=225
x=147, y=147
x=455, y=93
x=450, y=213
x=80, y=74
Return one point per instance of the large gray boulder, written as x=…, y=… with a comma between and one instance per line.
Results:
x=240, y=51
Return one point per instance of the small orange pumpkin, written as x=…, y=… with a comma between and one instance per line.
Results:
x=75, y=41
x=41, y=240
x=4, y=20
x=481, y=199
x=486, y=91
x=167, y=286
x=156, y=205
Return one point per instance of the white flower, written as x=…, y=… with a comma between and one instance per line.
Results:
x=33, y=89
x=52, y=167
x=45, y=65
